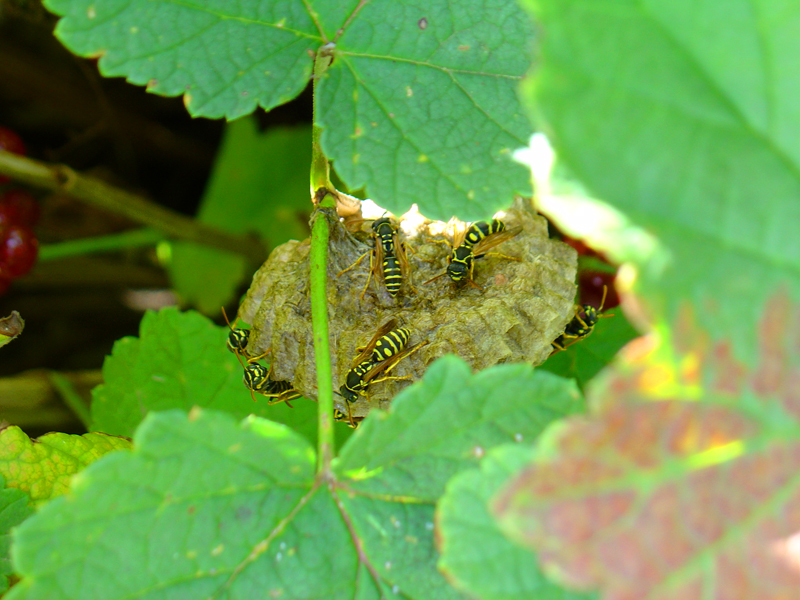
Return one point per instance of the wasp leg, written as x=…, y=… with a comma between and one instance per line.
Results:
x=500, y=255
x=369, y=276
x=559, y=345
x=355, y=264
x=285, y=396
x=388, y=378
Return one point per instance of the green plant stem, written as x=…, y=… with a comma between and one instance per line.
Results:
x=61, y=178
x=318, y=276
x=106, y=243
x=320, y=169
x=71, y=397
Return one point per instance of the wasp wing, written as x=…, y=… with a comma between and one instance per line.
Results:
x=402, y=258
x=490, y=241
x=390, y=363
x=382, y=331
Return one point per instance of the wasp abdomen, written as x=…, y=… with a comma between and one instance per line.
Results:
x=481, y=229
x=390, y=344
x=392, y=276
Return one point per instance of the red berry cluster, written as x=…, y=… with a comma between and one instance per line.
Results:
x=19, y=212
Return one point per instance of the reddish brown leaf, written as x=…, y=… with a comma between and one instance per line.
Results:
x=668, y=490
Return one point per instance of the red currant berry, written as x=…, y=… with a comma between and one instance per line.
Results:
x=5, y=283
x=590, y=286
x=11, y=142
x=19, y=251
x=18, y=207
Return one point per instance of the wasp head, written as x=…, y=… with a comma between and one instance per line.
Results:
x=256, y=377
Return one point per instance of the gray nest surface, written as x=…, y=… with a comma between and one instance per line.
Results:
x=520, y=307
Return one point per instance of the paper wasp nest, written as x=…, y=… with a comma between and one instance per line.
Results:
x=522, y=307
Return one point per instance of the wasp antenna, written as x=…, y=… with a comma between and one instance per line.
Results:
x=225, y=316
x=603, y=301
x=435, y=278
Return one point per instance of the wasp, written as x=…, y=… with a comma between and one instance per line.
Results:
x=388, y=261
x=258, y=378
x=581, y=325
x=383, y=352
x=237, y=338
x=353, y=422
x=472, y=244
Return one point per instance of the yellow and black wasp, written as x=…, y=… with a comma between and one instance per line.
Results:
x=237, y=338
x=353, y=422
x=581, y=325
x=472, y=244
x=258, y=378
x=383, y=352
x=388, y=261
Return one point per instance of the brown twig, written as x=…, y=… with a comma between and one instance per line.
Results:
x=137, y=208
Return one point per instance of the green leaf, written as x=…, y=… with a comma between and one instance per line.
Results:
x=419, y=104
x=259, y=185
x=683, y=115
x=223, y=509
x=448, y=421
x=429, y=114
x=476, y=555
x=224, y=59
x=15, y=507
x=180, y=360
x=584, y=359
x=43, y=468
x=182, y=510
x=207, y=508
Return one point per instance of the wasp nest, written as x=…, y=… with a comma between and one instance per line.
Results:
x=520, y=303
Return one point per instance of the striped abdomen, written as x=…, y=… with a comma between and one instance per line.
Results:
x=390, y=344
x=481, y=229
x=392, y=277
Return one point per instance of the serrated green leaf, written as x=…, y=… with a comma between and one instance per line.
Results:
x=683, y=115
x=429, y=114
x=447, y=421
x=207, y=508
x=43, y=468
x=584, y=359
x=225, y=59
x=475, y=553
x=180, y=360
x=15, y=507
x=419, y=104
x=182, y=510
x=259, y=185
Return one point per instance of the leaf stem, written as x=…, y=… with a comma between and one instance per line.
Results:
x=106, y=243
x=318, y=276
x=61, y=178
x=320, y=169
x=71, y=397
